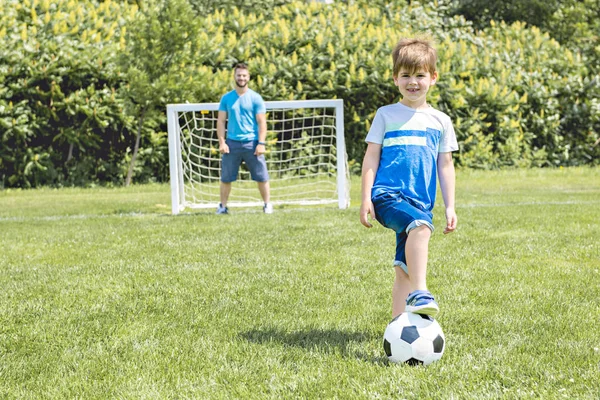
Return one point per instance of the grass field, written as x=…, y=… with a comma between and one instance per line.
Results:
x=104, y=295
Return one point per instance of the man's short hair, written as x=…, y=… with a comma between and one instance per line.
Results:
x=241, y=65
x=413, y=54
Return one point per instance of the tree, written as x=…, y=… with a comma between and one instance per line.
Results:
x=158, y=63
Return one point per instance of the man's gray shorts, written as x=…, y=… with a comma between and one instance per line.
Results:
x=243, y=151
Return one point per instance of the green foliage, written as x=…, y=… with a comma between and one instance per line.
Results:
x=511, y=109
x=61, y=117
x=157, y=63
x=160, y=44
x=574, y=23
x=521, y=102
x=481, y=12
x=204, y=7
x=84, y=85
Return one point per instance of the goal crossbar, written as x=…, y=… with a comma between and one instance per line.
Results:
x=306, y=156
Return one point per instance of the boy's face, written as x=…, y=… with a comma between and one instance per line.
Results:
x=414, y=86
x=241, y=76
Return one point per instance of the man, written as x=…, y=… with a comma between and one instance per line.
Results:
x=244, y=111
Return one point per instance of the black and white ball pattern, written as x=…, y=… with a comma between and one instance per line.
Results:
x=414, y=339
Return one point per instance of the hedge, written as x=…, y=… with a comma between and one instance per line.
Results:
x=67, y=117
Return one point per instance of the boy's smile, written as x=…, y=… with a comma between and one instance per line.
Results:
x=414, y=87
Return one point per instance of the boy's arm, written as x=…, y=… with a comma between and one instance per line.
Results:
x=445, y=170
x=369, y=169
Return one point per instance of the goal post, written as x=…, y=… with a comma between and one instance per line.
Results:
x=305, y=155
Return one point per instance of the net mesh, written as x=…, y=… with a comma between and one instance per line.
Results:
x=301, y=155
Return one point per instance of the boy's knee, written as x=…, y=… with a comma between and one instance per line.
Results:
x=423, y=231
x=401, y=274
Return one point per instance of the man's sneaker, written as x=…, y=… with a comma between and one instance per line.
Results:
x=268, y=208
x=422, y=302
x=222, y=210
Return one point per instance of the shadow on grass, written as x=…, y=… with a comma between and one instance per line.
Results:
x=327, y=341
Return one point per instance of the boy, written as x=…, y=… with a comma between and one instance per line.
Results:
x=406, y=144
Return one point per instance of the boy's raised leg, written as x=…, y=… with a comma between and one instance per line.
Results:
x=420, y=300
x=417, y=252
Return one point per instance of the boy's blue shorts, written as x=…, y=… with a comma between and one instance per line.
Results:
x=394, y=211
x=243, y=151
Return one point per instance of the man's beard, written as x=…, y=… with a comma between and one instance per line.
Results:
x=241, y=86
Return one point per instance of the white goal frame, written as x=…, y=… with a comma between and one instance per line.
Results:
x=179, y=197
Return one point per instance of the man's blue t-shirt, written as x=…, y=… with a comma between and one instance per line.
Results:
x=410, y=142
x=241, y=114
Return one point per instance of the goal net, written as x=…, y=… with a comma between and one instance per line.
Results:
x=305, y=154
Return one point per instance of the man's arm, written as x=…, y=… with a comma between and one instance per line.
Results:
x=445, y=170
x=369, y=169
x=261, y=119
x=221, y=119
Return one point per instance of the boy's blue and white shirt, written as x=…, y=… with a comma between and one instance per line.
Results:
x=241, y=114
x=411, y=140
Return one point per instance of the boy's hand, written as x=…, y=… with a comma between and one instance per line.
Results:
x=365, y=210
x=451, y=221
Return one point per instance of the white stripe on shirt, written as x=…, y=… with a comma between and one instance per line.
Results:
x=406, y=140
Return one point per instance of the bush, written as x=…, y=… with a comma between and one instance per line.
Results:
x=62, y=118
x=69, y=112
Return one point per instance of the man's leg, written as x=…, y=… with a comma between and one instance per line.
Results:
x=225, y=189
x=257, y=165
x=265, y=191
x=230, y=165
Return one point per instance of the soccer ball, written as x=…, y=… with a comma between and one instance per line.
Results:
x=414, y=339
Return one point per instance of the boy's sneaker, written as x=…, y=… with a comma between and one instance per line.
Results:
x=222, y=210
x=422, y=302
x=268, y=208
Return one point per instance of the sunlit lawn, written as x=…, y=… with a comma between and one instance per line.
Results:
x=103, y=294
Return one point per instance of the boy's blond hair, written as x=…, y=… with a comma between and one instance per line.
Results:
x=413, y=54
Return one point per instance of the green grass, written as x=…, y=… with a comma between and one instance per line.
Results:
x=104, y=295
